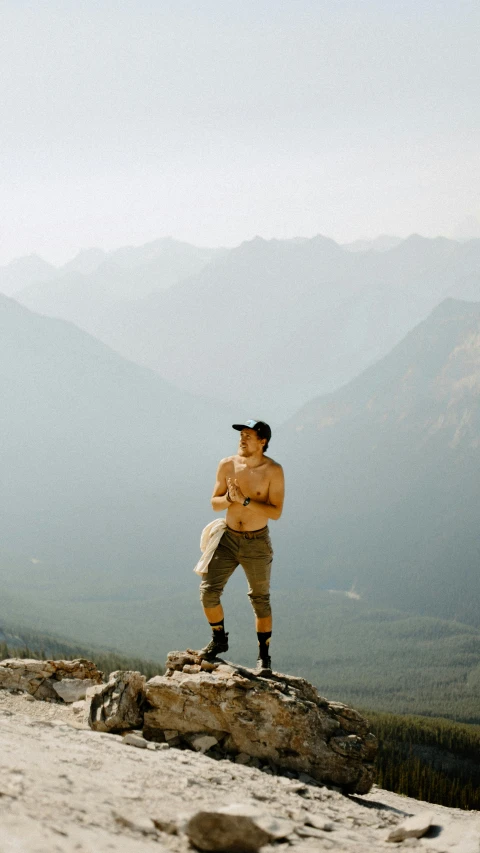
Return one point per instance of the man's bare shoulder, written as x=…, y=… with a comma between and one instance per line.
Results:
x=226, y=462
x=272, y=464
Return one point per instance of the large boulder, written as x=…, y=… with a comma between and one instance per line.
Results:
x=281, y=720
x=40, y=678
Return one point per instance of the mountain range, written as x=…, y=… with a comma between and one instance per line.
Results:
x=95, y=281
x=269, y=324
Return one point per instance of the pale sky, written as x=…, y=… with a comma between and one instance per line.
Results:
x=213, y=121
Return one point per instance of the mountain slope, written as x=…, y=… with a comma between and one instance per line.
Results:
x=384, y=475
x=98, y=455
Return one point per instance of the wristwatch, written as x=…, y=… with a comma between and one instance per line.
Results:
x=246, y=501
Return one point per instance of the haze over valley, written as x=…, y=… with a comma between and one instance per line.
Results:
x=109, y=463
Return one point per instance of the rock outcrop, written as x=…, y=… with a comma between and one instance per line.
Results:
x=280, y=723
x=42, y=678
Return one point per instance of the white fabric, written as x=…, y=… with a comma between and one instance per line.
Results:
x=211, y=535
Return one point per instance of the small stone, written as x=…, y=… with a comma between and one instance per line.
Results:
x=226, y=668
x=165, y=824
x=139, y=823
x=162, y=746
x=318, y=822
x=414, y=827
x=306, y=779
x=202, y=743
x=242, y=758
x=132, y=739
x=309, y=832
x=28, y=697
x=237, y=828
x=297, y=788
x=192, y=668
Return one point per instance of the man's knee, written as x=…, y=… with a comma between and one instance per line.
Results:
x=260, y=604
x=209, y=596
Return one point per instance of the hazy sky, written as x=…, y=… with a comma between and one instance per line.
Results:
x=213, y=121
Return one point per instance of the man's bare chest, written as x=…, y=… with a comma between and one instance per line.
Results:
x=254, y=482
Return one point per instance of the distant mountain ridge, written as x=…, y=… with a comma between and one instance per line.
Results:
x=290, y=318
x=380, y=244
x=22, y=272
x=96, y=281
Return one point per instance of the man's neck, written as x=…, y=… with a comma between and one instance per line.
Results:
x=253, y=461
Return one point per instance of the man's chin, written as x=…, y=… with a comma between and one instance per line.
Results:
x=242, y=451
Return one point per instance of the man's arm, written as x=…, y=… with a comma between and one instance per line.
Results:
x=273, y=507
x=220, y=491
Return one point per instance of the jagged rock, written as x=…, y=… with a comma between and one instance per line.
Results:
x=237, y=828
x=118, y=705
x=414, y=827
x=72, y=689
x=280, y=720
x=40, y=677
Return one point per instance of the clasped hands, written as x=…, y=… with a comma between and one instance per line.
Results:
x=234, y=491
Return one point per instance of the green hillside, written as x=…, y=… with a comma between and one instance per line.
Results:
x=380, y=659
x=433, y=760
x=19, y=643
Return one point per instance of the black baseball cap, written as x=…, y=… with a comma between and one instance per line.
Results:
x=261, y=428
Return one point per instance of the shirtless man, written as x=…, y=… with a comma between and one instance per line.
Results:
x=250, y=486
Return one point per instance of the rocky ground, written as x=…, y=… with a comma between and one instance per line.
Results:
x=65, y=788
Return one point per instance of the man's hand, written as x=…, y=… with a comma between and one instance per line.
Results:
x=234, y=491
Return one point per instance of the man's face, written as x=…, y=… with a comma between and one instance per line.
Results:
x=249, y=443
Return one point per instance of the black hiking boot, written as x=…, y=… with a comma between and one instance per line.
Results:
x=264, y=665
x=215, y=647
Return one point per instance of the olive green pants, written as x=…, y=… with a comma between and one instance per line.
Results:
x=253, y=551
